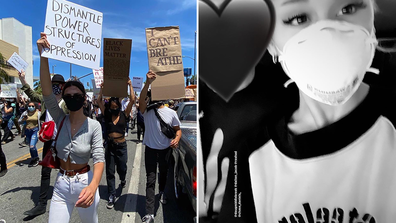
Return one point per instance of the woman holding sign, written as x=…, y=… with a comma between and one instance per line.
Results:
x=116, y=147
x=329, y=154
x=79, y=138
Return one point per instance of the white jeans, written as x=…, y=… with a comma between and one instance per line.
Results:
x=65, y=195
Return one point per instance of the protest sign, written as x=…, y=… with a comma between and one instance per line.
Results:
x=190, y=93
x=168, y=85
x=98, y=74
x=8, y=91
x=116, y=61
x=17, y=62
x=164, y=49
x=7, y=49
x=74, y=33
x=137, y=83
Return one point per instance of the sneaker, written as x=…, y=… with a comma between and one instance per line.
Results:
x=163, y=198
x=3, y=143
x=126, y=134
x=148, y=218
x=38, y=210
x=23, y=144
x=123, y=183
x=34, y=162
x=110, y=203
x=3, y=172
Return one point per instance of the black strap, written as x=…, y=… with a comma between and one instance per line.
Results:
x=159, y=117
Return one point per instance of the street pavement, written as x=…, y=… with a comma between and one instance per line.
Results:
x=20, y=187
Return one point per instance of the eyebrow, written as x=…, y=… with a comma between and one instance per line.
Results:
x=292, y=1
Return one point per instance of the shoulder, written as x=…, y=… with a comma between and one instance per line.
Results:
x=93, y=123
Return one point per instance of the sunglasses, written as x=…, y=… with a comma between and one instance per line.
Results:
x=31, y=106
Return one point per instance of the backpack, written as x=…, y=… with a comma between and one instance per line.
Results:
x=47, y=131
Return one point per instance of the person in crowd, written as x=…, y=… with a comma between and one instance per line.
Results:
x=3, y=161
x=31, y=118
x=140, y=123
x=158, y=147
x=17, y=115
x=134, y=114
x=8, y=114
x=79, y=139
x=57, y=84
x=22, y=108
x=124, y=104
x=171, y=104
x=327, y=154
x=116, y=147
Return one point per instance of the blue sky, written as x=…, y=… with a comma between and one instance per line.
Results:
x=121, y=19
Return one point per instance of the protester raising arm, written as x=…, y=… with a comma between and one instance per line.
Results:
x=79, y=139
x=132, y=99
x=151, y=76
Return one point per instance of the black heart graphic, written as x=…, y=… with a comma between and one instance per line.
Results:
x=215, y=8
x=231, y=45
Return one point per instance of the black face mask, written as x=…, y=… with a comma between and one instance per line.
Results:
x=75, y=102
x=115, y=112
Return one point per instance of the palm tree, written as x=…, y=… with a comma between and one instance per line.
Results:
x=4, y=77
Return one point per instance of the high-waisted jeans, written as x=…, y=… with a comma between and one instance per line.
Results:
x=31, y=138
x=66, y=192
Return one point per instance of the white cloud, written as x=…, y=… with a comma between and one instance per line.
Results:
x=182, y=6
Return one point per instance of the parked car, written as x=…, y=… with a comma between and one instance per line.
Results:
x=185, y=156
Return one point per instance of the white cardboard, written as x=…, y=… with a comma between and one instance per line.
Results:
x=137, y=83
x=74, y=33
x=8, y=91
x=17, y=62
x=98, y=74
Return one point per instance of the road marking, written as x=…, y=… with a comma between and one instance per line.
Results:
x=129, y=214
x=13, y=163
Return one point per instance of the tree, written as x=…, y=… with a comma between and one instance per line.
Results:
x=4, y=77
x=37, y=87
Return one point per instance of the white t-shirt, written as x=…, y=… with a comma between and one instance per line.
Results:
x=153, y=137
x=344, y=172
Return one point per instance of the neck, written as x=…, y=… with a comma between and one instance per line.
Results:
x=77, y=116
x=313, y=115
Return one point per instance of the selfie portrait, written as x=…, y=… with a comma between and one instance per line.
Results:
x=307, y=133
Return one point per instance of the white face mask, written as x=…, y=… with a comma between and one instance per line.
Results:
x=328, y=60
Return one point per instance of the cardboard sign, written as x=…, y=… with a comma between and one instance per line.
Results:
x=8, y=91
x=137, y=83
x=17, y=62
x=98, y=74
x=116, y=60
x=74, y=33
x=190, y=93
x=168, y=85
x=164, y=49
x=7, y=49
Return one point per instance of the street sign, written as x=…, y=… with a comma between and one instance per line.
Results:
x=187, y=72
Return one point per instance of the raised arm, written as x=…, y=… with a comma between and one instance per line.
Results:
x=99, y=101
x=131, y=99
x=45, y=79
x=150, y=77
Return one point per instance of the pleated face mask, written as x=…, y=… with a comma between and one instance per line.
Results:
x=328, y=60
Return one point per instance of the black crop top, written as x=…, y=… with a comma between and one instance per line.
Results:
x=119, y=127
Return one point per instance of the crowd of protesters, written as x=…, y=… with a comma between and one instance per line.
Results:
x=87, y=128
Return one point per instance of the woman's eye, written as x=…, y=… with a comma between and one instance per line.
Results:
x=296, y=20
x=352, y=8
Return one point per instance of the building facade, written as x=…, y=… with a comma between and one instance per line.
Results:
x=14, y=32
